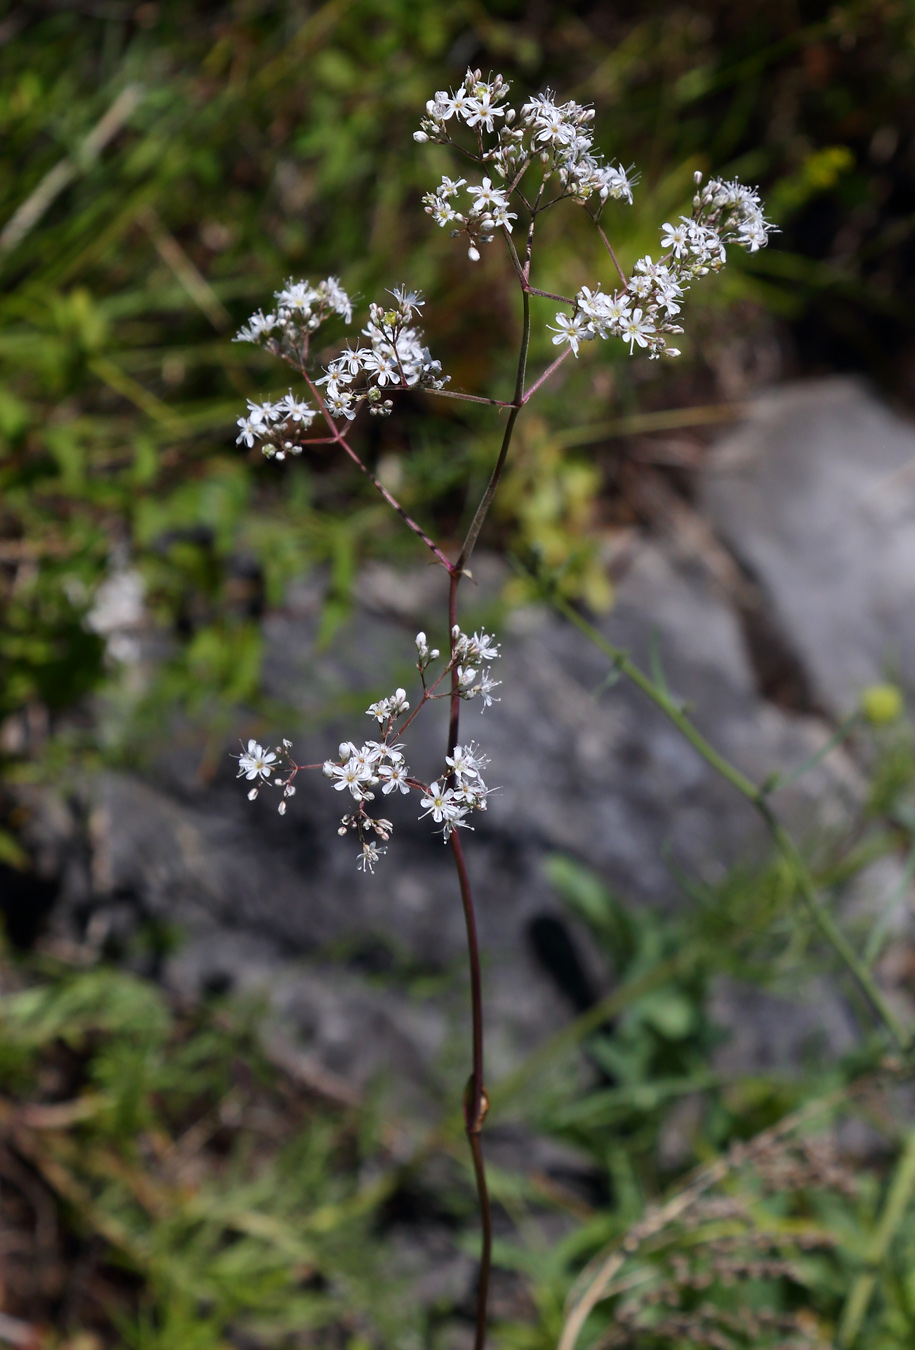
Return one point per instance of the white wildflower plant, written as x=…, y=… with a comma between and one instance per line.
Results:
x=529, y=158
x=543, y=153
x=526, y=160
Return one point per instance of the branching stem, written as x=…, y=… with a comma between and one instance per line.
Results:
x=609, y=247
x=338, y=438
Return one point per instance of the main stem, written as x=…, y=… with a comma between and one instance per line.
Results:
x=476, y=1102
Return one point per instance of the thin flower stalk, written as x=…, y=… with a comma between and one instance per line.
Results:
x=757, y=795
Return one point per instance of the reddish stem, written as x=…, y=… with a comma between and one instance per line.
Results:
x=542, y=379
x=340, y=439
x=476, y=1103
x=609, y=248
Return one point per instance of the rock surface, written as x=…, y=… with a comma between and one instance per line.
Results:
x=276, y=905
x=815, y=495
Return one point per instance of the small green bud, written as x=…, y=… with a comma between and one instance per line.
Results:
x=882, y=704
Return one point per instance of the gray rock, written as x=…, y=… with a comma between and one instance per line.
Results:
x=277, y=905
x=815, y=494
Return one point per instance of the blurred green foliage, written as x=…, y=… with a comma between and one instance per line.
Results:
x=165, y=167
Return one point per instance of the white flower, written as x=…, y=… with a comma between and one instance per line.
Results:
x=356, y=776
x=394, y=776
x=551, y=125
x=704, y=242
x=486, y=686
x=616, y=310
x=250, y=429
x=446, y=105
x=399, y=702
x=408, y=302
x=346, y=366
x=383, y=365
x=255, y=762
x=481, y=110
x=465, y=763
x=503, y=218
x=367, y=756
x=439, y=210
x=294, y=410
x=444, y=807
x=675, y=238
x=389, y=707
x=487, y=198
x=257, y=327
x=573, y=331
x=338, y=402
x=616, y=182
x=369, y=856
x=751, y=234
x=479, y=647
x=438, y=802
x=333, y=294
x=298, y=297
x=636, y=329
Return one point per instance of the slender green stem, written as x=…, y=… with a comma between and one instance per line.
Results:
x=486, y=502
x=898, y=1198
x=757, y=798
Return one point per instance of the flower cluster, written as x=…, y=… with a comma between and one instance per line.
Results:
x=561, y=135
x=379, y=765
x=558, y=137
x=555, y=135
x=641, y=312
x=300, y=308
x=468, y=652
x=257, y=764
x=361, y=768
x=488, y=211
x=275, y=424
x=394, y=358
x=450, y=806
